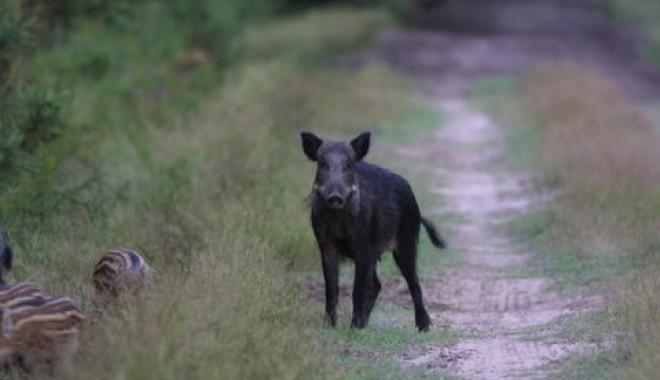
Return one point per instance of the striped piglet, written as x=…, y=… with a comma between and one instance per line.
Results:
x=120, y=274
x=37, y=330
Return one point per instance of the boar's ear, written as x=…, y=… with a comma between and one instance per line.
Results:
x=310, y=144
x=5, y=265
x=5, y=259
x=5, y=254
x=360, y=145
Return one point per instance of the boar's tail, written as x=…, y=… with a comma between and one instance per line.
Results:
x=436, y=239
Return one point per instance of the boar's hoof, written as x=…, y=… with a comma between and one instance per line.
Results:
x=423, y=322
x=359, y=322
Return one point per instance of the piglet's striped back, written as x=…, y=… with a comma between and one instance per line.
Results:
x=11, y=295
x=121, y=272
x=40, y=330
x=52, y=315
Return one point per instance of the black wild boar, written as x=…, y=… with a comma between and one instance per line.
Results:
x=359, y=211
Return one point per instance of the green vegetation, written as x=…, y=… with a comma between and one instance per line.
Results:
x=323, y=41
x=172, y=128
x=642, y=12
x=418, y=122
x=601, y=366
x=369, y=354
x=384, y=370
x=592, y=326
x=601, y=230
x=497, y=95
x=391, y=329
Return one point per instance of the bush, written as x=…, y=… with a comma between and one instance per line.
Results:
x=30, y=116
x=213, y=24
x=28, y=120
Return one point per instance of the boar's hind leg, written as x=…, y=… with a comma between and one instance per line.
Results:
x=405, y=257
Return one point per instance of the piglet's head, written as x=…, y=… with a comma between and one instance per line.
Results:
x=336, y=180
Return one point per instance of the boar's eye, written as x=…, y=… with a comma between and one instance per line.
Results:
x=348, y=166
x=323, y=164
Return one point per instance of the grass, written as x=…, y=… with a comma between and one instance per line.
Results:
x=578, y=265
x=645, y=13
x=592, y=326
x=202, y=172
x=600, y=153
x=414, y=125
x=604, y=365
x=373, y=352
x=323, y=41
x=570, y=236
x=601, y=361
x=391, y=330
x=370, y=370
x=497, y=95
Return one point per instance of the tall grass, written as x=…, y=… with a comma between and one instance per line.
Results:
x=645, y=13
x=602, y=153
x=600, y=149
x=213, y=195
x=275, y=39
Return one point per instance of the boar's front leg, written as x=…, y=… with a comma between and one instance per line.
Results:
x=365, y=290
x=330, y=259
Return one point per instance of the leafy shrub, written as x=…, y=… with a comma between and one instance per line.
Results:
x=213, y=24
x=28, y=120
x=30, y=117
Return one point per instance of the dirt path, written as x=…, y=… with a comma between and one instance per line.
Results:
x=493, y=309
x=487, y=299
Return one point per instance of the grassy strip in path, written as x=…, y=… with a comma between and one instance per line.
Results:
x=391, y=330
x=384, y=370
x=375, y=352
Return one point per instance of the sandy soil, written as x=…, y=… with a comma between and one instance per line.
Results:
x=465, y=41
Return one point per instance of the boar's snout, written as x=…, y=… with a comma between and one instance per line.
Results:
x=335, y=201
x=333, y=195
